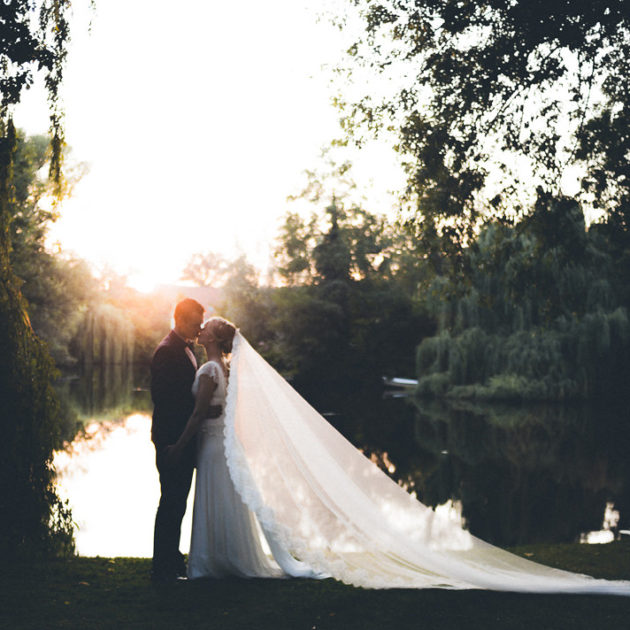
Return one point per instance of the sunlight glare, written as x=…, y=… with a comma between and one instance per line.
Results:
x=196, y=125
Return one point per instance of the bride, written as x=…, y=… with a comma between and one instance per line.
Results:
x=271, y=469
x=226, y=537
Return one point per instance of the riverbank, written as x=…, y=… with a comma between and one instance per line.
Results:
x=116, y=593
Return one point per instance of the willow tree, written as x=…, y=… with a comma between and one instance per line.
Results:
x=538, y=318
x=33, y=39
x=105, y=336
x=491, y=98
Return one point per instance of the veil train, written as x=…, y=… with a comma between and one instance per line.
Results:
x=317, y=497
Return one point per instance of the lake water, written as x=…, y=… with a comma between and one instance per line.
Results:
x=112, y=484
x=515, y=474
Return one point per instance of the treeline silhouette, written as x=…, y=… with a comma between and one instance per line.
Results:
x=540, y=313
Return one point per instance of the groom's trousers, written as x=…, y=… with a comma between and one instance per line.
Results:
x=175, y=481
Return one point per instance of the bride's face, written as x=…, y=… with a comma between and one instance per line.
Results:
x=206, y=335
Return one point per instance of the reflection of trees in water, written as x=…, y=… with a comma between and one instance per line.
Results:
x=526, y=474
x=384, y=429
x=522, y=474
x=106, y=393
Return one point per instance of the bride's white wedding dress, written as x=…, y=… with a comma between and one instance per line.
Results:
x=317, y=498
x=226, y=538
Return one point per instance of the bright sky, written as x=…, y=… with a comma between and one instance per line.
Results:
x=196, y=119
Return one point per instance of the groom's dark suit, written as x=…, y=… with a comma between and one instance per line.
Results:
x=172, y=376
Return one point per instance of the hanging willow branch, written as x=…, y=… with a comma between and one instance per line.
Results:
x=34, y=38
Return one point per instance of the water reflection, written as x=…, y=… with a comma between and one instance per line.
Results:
x=106, y=391
x=526, y=474
x=521, y=474
x=107, y=471
x=109, y=477
x=518, y=474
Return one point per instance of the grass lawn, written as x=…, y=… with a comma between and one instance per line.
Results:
x=116, y=593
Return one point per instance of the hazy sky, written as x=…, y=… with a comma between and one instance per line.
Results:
x=196, y=119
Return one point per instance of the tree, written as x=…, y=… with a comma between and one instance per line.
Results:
x=55, y=287
x=539, y=317
x=332, y=255
x=493, y=95
x=206, y=270
x=32, y=37
x=292, y=252
x=34, y=518
x=345, y=242
x=350, y=310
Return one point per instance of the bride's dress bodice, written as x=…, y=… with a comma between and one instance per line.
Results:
x=213, y=426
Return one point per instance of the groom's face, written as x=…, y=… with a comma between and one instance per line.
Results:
x=191, y=326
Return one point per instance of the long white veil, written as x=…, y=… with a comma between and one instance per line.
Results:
x=320, y=499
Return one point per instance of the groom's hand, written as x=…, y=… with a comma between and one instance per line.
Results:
x=214, y=411
x=172, y=454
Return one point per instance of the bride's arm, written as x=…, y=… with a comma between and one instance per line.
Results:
x=202, y=405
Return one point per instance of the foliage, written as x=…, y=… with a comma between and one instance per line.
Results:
x=33, y=36
x=206, y=270
x=105, y=336
x=292, y=255
x=140, y=319
x=491, y=96
x=68, y=308
x=34, y=519
x=81, y=318
x=358, y=312
x=348, y=241
x=56, y=287
x=537, y=316
x=352, y=245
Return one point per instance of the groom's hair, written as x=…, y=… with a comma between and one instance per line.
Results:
x=186, y=308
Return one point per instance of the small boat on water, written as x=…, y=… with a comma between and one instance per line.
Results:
x=400, y=383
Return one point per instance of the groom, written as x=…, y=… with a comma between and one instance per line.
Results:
x=173, y=370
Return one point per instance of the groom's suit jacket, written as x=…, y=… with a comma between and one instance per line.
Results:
x=172, y=376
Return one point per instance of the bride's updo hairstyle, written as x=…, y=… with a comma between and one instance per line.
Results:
x=223, y=331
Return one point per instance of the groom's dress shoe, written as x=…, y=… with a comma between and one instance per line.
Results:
x=181, y=571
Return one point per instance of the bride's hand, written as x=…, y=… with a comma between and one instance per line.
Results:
x=214, y=411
